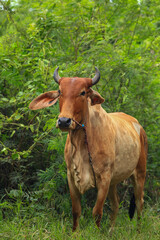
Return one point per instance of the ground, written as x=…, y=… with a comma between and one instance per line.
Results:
x=44, y=226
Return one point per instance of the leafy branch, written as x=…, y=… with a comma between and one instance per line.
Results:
x=16, y=154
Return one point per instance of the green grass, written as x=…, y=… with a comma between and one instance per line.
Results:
x=60, y=228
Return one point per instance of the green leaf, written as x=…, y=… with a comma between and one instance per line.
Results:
x=32, y=128
x=4, y=99
x=15, y=156
x=4, y=150
x=51, y=123
x=1, y=125
x=17, y=116
x=12, y=133
x=25, y=154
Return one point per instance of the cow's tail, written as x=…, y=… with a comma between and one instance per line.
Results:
x=132, y=207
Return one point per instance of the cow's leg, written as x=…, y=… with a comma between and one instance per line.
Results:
x=114, y=201
x=138, y=183
x=76, y=202
x=103, y=187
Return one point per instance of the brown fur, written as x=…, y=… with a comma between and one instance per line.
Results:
x=117, y=143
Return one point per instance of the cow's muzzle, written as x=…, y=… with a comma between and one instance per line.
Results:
x=64, y=122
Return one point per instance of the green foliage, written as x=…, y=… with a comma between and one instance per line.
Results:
x=121, y=38
x=46, y=226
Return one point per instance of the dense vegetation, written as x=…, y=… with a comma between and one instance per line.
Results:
x=121, y=38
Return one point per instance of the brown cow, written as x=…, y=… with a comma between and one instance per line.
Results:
x=117, y=144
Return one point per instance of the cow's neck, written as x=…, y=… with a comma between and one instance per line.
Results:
x=93, y=122
x=81, y=168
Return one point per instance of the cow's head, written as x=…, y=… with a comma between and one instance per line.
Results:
x=74, y=95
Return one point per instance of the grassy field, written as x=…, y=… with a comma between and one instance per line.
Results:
x=56, y=228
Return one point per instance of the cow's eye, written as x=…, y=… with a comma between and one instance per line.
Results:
x=83, y=93
x=59, y=92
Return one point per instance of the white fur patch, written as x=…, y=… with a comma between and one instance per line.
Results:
x=137, y=127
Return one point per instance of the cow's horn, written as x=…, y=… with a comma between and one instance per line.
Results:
x=56, y=75
x=96, y=77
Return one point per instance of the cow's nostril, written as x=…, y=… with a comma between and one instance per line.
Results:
x=64, y=122
x=59, y=122
x=68, y=121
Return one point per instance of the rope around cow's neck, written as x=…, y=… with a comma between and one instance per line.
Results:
x=86, y=141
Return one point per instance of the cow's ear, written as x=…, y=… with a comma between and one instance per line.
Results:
x=44, y=100
x=95, y=97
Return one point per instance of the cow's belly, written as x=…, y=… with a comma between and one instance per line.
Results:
x=126, y=160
